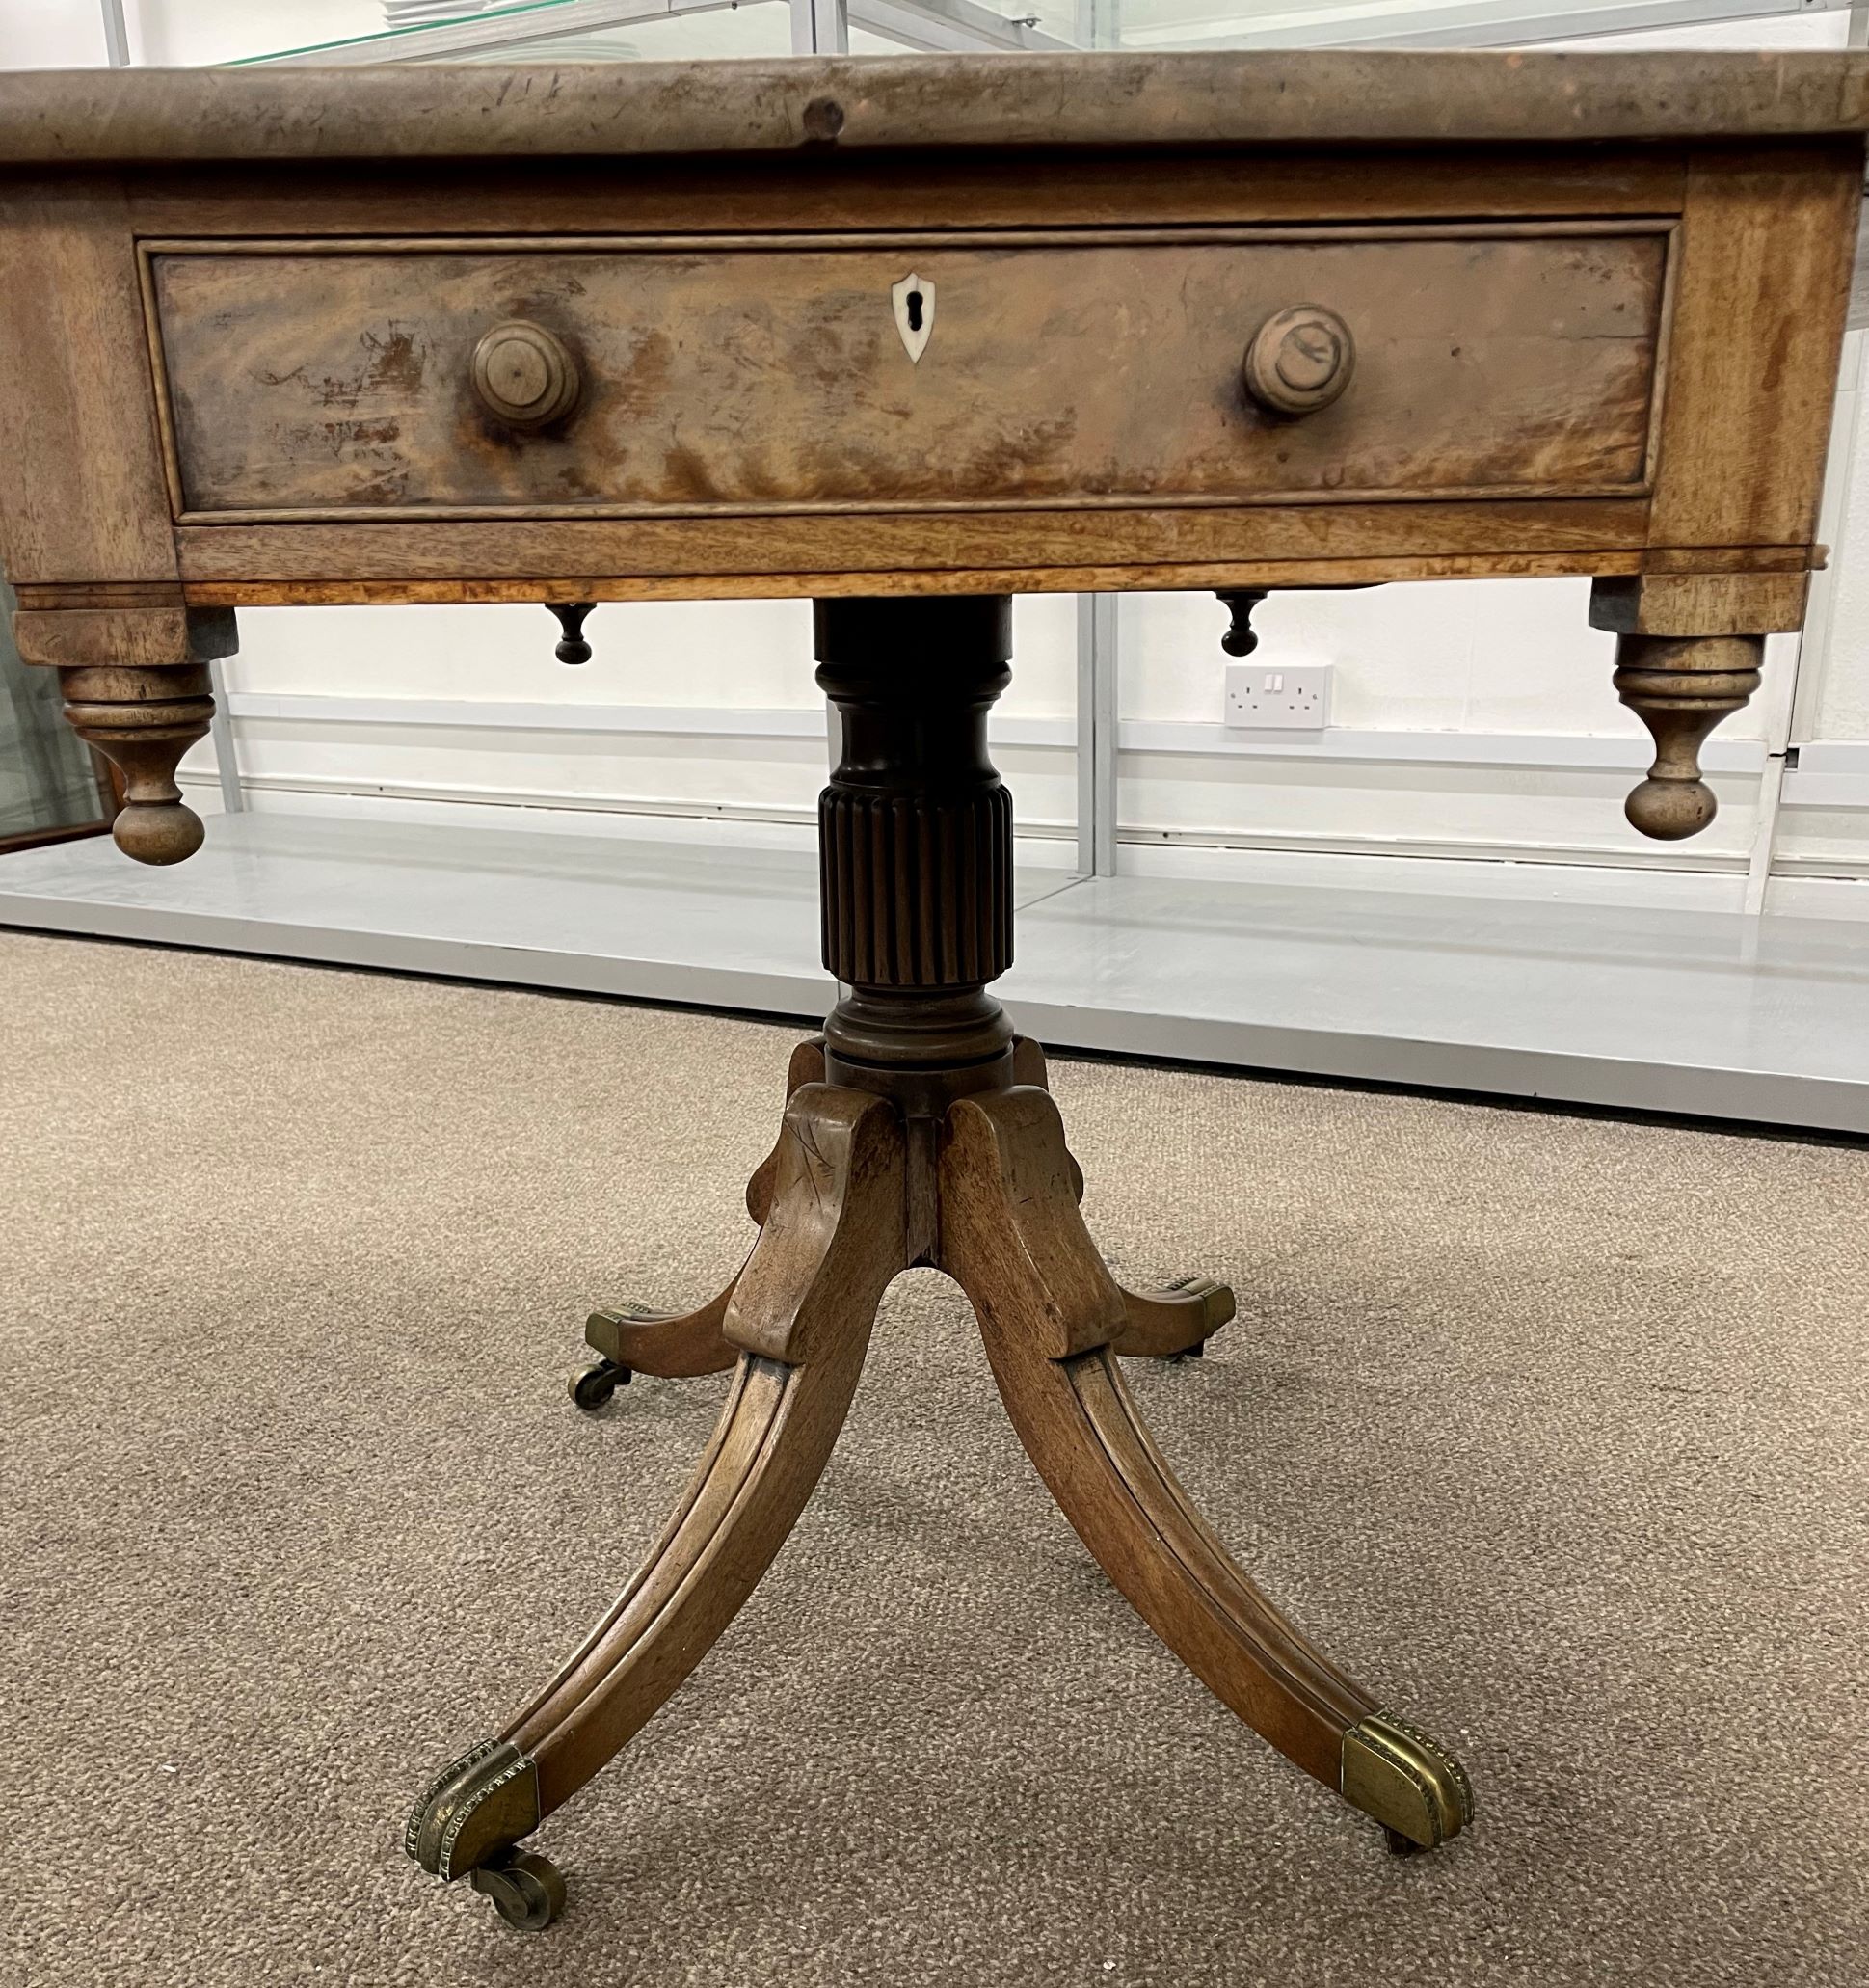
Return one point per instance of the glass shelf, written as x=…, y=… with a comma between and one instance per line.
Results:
x=564, y=31
x=572, y=31
x=50, y=787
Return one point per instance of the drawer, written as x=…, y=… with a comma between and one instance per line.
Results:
x=651, y=377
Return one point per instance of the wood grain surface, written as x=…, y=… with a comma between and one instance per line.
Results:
x=742, y=378
x=81, y=479
x=688, y=559
x=901, y=191
x=1596, y=303
x=1768, y=241
x=841, y=107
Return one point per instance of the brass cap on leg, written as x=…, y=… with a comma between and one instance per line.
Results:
x=1408, y=1782
x=475, y=1809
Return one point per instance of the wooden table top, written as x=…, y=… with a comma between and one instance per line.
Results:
x=1310, y=97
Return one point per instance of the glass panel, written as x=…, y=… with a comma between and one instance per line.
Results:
x=46, y=777
x=762, y=28
x=625, y=30
x=539, y=31
x=1169, y=24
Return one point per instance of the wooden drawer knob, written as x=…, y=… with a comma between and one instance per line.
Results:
x=1299, y=360
x=523, y=375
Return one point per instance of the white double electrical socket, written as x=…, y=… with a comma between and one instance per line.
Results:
x=1290, y=697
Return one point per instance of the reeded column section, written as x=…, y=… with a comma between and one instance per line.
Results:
x=918, y=890
x=915, y=827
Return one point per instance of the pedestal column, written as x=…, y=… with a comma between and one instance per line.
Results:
x=915, y=834
x=915, y=840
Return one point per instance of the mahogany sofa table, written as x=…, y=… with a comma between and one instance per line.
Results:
x=909, y=337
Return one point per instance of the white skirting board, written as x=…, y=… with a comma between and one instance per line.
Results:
x=1709, y=1013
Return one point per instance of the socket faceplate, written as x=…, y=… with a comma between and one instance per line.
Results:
x=1292, y=697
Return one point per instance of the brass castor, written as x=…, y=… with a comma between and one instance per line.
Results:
x=527, y=1890
x=594, y=1385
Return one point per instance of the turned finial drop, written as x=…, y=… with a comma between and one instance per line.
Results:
x=157, y=831
x=1241, y=638
x=573, y=648
x=136, y=687
x=143, y=720
x=1681, y=687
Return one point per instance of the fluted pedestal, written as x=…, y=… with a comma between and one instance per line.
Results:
x=915, y=832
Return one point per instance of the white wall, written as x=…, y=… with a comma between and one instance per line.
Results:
x=1446, y=665
x=50, y=35
x=70, y=33
x=194, y=32
x=752, y=657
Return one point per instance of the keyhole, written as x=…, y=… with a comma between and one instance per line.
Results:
x=915, y=311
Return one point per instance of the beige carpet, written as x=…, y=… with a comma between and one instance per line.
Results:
x=1552, y=1430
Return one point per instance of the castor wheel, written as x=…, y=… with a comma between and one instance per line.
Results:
x=594, y=1385
x=1400, y=1845
x=527, y=1890
x=1197, y=1351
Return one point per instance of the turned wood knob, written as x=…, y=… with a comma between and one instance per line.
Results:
x=1301, y=358
x=523, y=375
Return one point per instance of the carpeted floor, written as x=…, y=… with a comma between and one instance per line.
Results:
x=1552, y=1430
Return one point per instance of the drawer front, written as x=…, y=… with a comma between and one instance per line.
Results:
x=748, y=376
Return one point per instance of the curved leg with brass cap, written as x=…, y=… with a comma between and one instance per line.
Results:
x=1013, y=1238
x=632, y=1340
x=1172, y=1320
x=800, y=1317
x=636, y=1339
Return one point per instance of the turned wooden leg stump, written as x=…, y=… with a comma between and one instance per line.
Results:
x=917, y=1131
